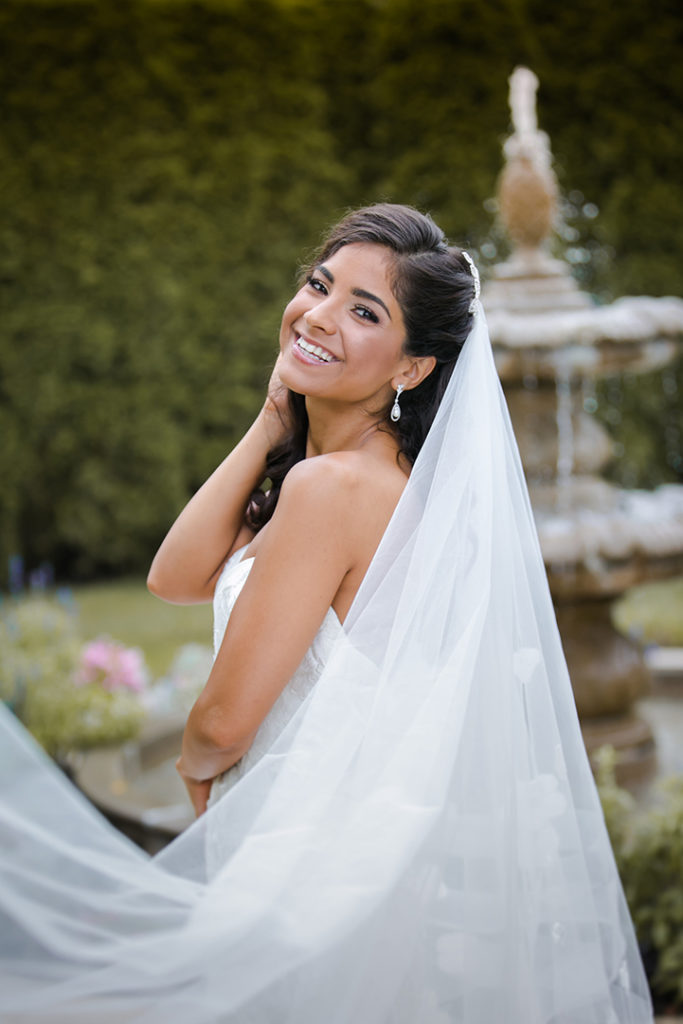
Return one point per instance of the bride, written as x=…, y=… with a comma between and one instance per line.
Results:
x=372, y=371
x=402, y=827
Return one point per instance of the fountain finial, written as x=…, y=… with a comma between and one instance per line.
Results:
x=527, y=203
x=528, y=187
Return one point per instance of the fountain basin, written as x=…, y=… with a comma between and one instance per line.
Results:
x=598, y=540
x=634, y=333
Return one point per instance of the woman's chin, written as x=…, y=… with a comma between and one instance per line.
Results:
x=297, y=376
x=291, y=380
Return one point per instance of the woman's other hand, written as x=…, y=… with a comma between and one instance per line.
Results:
x=198, y=789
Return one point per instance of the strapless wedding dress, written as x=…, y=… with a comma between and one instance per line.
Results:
x=228, y=587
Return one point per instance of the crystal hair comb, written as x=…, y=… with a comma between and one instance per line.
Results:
x=475, y=278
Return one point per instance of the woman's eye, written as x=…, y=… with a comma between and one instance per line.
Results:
x=366, y=314
x=317, y=284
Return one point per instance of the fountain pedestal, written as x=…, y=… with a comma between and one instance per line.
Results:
x=608, y=675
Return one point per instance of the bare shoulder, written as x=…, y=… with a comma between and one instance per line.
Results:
x=325, y=475
x=330, y=517
x=342, y=480
x=352, y=493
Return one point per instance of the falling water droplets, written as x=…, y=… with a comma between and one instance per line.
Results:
x=565, y=431
x=588, y=395
x=614, y=397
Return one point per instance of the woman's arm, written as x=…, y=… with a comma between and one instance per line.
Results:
x=211, y=525
x=303, y=557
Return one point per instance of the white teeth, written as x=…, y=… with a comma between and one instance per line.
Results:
x=314, y=350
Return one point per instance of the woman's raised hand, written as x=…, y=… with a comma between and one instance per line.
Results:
x=206, y=532
x=275, y=412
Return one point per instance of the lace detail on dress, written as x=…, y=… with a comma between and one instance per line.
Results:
x=228, y=587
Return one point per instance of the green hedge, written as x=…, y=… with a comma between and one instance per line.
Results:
x=164, y=165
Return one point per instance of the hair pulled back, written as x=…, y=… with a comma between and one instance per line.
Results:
x=433, y=285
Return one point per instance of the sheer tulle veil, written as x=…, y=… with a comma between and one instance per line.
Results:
x=424, y=844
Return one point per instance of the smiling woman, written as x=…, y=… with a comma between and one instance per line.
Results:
x=402, y=824
x=345, y=351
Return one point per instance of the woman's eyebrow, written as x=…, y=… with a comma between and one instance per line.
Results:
x=373, y=298
x=358, y=292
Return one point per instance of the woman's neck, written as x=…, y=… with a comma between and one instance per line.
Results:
x=340, y=429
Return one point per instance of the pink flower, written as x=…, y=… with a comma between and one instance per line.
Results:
x=111, y=665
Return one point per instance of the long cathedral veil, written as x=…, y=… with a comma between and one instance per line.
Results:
x=423, y=845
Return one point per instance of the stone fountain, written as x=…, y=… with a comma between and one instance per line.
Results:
x=549, y=339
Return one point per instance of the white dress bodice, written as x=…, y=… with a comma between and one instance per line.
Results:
x=228, y=587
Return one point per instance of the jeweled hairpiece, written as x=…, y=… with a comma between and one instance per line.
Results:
x=475, y=278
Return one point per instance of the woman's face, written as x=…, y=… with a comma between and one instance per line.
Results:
x=342, y=334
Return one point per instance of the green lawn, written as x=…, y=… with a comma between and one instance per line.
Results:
x=125, y=611
x=653, y=613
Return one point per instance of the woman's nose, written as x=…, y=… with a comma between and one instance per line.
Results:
x=321, y=316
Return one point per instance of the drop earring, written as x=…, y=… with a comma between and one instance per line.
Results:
x=396, y=408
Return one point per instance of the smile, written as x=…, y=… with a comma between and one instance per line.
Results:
x=315, y=352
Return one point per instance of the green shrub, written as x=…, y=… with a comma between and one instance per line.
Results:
x=648, y=847
x=40, y=656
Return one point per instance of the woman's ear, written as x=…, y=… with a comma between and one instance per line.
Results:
x=418, y=368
